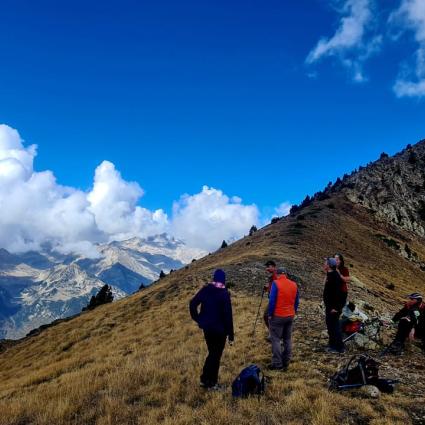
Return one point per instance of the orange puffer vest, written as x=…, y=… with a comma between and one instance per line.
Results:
x=286, y=296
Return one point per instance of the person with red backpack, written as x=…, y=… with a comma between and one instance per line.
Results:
x=283, y=305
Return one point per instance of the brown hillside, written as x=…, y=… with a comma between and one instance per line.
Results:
x=138, y=360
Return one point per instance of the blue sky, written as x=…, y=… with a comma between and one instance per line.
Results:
x=221, y=93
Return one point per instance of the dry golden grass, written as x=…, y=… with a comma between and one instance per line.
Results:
x=138, y=360
x=147, y=373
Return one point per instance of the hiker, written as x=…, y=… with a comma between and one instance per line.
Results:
x=334, y=297
x=342, y=270
x=283, y=305
x=271, y=268
x=407, y=319
x=216, y=320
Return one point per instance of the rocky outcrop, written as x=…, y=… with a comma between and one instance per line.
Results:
x=393, y=188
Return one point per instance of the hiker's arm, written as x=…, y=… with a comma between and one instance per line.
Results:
x=399, y=315
x=193, y=306
x=297, y=301
x=341, y=296
x=272, y=299
x=346, y=278
x=341, y=301
x=228, y=317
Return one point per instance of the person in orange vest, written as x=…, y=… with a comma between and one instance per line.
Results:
x=283, y=305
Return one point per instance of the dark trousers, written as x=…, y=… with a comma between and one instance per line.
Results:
x=403, y=330
x=334, y=330
x=215, y=343
x=281, y=330
x=266, y=316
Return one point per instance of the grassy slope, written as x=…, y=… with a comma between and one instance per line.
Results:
x=137, y=361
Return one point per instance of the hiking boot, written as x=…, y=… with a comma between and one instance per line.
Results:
x=396, y=349
x=216, y=387
x=274, y=367
x=332, y=350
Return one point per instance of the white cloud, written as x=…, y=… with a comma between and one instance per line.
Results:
x=351, y=44
x=403, y=88
x=411, y=16
x=113, y=201
x=36, y=209
x=209, y=217
x=15, y=161
x=283, y=209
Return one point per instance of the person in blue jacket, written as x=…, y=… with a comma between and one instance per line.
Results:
x=216, y=320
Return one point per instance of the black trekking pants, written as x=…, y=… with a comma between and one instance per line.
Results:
x=334, y=330
x=215, y=343
x=403, y=330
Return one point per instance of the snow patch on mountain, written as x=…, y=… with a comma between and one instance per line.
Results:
x=39, y=287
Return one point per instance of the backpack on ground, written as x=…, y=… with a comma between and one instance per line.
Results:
x=249, y=382
x=350, y=328
x=361, y=370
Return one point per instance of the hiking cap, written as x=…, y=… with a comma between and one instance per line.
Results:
x=415, y=296
x=281, y=270
x=270, y=263
x=219, y=276
x=331, y=261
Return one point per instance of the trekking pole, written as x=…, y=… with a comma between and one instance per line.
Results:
x=258, y=311
x=350, y=336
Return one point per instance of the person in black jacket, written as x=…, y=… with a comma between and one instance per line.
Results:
x=334, y=297
x=216, y=320
x=407, y=318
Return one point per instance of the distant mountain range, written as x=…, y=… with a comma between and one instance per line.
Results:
x=39, y=287
x=145, y=350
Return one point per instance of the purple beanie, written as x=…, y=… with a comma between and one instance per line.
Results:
x=219, y=276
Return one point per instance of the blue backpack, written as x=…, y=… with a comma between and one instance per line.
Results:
x=249, y=382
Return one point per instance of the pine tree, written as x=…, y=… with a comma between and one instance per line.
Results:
x=104, y=296
x=224, y=245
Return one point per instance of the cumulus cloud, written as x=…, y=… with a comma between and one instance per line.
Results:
x=113, y=201
x=36, y=209
x=283, y=209
x=411, y=16
x=351, y=44
x=209, y=217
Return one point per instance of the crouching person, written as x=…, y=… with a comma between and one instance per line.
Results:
x=407, y=319
x=283, y=305
x=216, y=320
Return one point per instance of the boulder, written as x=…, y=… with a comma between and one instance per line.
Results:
x=370, y=391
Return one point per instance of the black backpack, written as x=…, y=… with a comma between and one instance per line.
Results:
x=361, y=370
x=249, y=382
